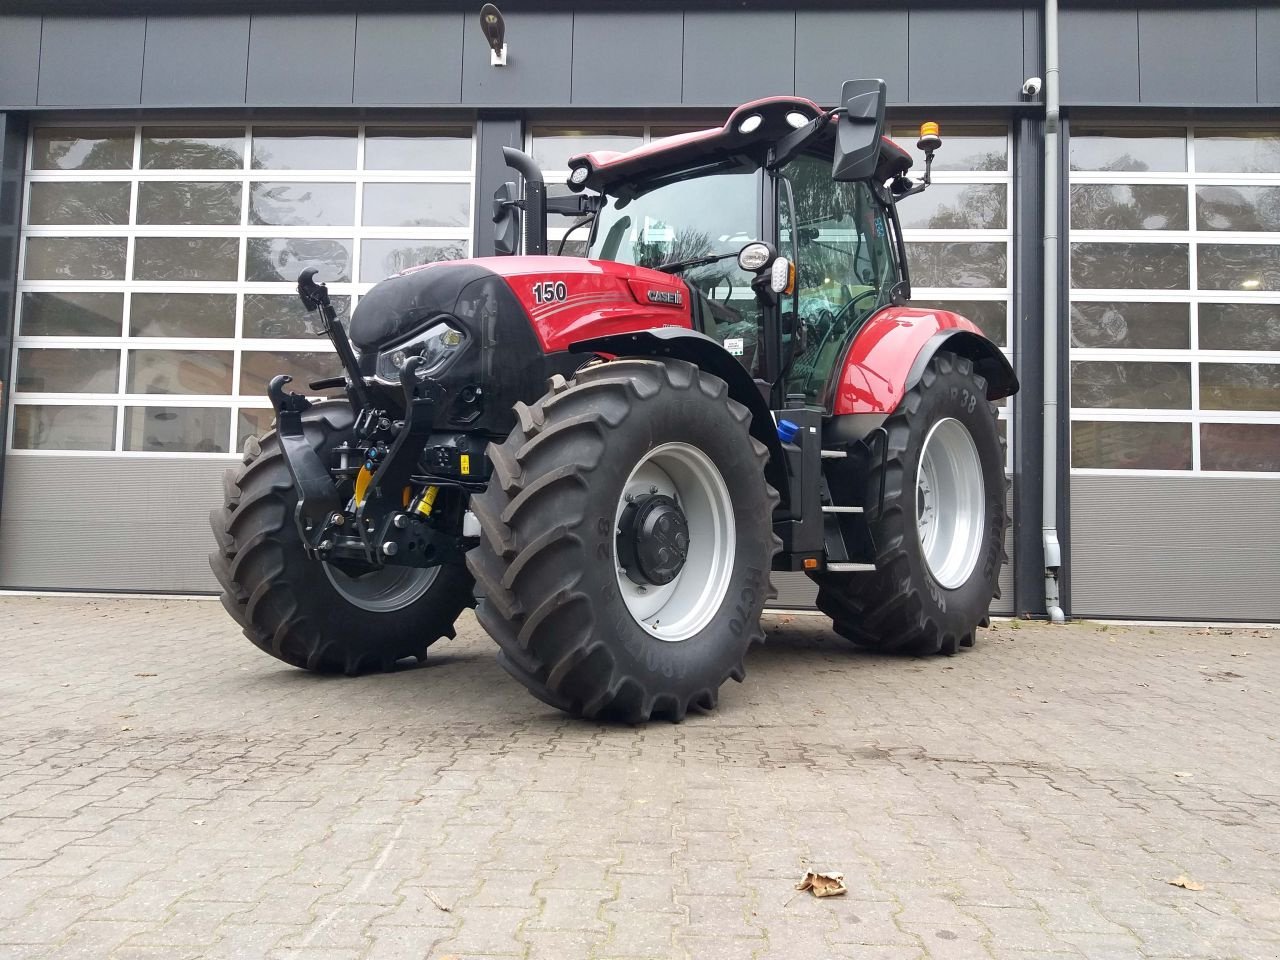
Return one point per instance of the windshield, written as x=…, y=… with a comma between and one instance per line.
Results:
x=704, y=216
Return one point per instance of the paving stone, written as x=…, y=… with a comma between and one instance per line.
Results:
x=1025, y=800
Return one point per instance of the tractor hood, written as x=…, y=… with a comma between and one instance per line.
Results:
x=559, y=299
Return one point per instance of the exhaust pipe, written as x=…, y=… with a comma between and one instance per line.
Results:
x=535, y=200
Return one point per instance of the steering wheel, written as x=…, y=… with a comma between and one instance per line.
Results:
x=837, y=321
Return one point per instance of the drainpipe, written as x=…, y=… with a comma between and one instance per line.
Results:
x=1052, y=202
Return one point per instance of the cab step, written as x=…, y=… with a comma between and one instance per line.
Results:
x=831, y=508
x=851, y=567
x=834, y=454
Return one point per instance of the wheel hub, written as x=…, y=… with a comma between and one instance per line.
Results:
x=653, y=540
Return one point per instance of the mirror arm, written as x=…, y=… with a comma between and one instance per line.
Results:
x=797, y=140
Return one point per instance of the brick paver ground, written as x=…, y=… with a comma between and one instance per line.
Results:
x=167, y=791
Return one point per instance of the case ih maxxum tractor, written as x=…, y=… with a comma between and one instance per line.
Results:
x=609, y=455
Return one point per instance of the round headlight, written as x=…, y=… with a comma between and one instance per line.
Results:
x=579, y=176
x=754, y=256
x=797, y=119
x=751, y=124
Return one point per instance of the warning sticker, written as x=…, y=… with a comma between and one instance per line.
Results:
x=734, y=346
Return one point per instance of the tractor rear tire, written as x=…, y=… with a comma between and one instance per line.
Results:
x=939, y=551
x=562, y=519
x=307, y=613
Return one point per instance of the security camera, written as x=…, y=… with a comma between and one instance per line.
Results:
x=495, y=31
x=1031, y=86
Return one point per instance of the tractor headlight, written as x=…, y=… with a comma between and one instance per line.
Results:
x=436, y=345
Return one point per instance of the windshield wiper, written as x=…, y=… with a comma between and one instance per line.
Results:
x=679, y=265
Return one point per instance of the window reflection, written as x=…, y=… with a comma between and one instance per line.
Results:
x=300, y=148
x=416, y=148
x=1240, y=446
x=280, y=260
x=81, y=370
x=177, y=429
x=182, y=315
x=1132, y=326
x=87, y=203
x=82, y=148
x=63, y=427
x=1117, y=445
x=1133, y=384
x=380, y=259
x=198, y=372
x=191, y=202
x=302, y=204
x=71, y=314
x=1128, y=149
x=75, y=258
x=1115, y=206
x=192, y=148
x=186, y=258
x=553, y=147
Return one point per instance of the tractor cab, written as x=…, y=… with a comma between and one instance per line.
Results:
x=812, y=185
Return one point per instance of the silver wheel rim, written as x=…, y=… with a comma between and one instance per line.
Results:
x=949, y=503
x=385, y=590
x=680, y=609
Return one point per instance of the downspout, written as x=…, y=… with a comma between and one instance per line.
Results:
x=1052, y=202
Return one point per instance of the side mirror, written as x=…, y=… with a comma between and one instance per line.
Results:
x=506, y=219
x=859, y=131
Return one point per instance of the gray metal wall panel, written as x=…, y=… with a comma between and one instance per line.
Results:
x=539, y=62
x=91, y=61
x=1268, y=56
x=1099, y=55
x=195, y=61
x=1175, y=547
x=834, y=47
x=796, y=590
x=1189, y=57
x=113, y=539
x=409, y=58
x=966, y=56
x=611, y=50
x=306, y=60
x=19, y=60
x=732, y=57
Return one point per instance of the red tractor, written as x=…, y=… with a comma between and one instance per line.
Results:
x=610, y=455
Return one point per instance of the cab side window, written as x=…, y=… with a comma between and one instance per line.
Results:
x=844, y=267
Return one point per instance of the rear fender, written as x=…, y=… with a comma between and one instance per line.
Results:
x=889, y=354
x=709, y=355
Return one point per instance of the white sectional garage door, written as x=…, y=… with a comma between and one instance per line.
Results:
x=156, y=299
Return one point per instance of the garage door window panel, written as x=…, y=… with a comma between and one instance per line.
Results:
x=176, y=429
x=71, y=314
x=40, y=426
x=188, y=203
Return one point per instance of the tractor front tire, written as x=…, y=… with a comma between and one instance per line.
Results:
x=935, y=502
x=305, y=612
x=626, y=541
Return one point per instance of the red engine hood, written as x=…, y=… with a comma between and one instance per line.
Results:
x=569, y=299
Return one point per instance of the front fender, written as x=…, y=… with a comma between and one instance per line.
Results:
x=709, y=355
x=888, y=355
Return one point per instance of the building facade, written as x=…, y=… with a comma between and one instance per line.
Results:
x=167, y=172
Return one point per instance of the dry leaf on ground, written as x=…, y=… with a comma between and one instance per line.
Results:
x=823, y=884
x=1182, y=880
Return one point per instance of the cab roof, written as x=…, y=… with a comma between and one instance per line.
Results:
x=705, y=151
